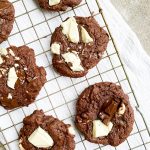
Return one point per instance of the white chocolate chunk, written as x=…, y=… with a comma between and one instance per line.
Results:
x=54, y=2
x=85, y=36
x=20, y=145
x=25, y=68
x=3, y=51
x=100, y=129
x=74, y=32
x=16, y=65
x=17, y=58
x=122, y=109
x=11, y=52
x=73, y=58
x=3, y=71
x=65, y=25
x=9, y=96
x=71, y=130
x=41, y=139
x=70, y=29
x=55, y=48
x=12, y=78
x=1, y=60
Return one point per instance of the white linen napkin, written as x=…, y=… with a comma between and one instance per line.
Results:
x=133, y=56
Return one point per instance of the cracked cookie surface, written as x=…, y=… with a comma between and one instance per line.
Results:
x=7, y=13
x=20, y=78
x=88, y=47
x=103, y=102
x=60, y=133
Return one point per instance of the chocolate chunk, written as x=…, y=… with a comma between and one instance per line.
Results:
x=109, y=111
x=112, y=108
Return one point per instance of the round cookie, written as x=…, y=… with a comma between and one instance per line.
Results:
x=20, y=78
x=78, y=45
x=6, y=19
x=104, y=114
x=61, y=135
x=58, y=5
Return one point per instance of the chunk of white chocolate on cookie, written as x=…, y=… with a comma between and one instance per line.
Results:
x=9, y=96
x=3, y=51
x=12, y=78
x=70, y=29
x=41, y=139
x=3, y=71
x=85, y=36
x=122, y=109
x=73, y=58
x=55, y=48
x=20, y=145
x=11, y=52
x=71, y=130
x=53, y=2
x=1, y=60
x=100, y=129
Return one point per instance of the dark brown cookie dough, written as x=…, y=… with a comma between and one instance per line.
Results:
x=61, y=6
x=103, y=101
x=89, y=53
x=6, y=19
x=60, y=133
x=20, y=78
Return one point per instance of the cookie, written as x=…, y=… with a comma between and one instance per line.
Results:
x=6, y=19
x=77, y=46
x=20, y=78
x=104, y=114
x=58, y=5
x=41, y=132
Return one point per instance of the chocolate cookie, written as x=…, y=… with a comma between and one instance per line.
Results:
x=58, y=5
x=20, y=78
x=6, y=19
x=42, y=132
x=104, y=114
x=78, y=45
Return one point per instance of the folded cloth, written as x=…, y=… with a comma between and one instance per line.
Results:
x=135, y=60
x=136, y=14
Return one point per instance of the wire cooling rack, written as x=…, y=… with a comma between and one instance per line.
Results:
x=34, y=27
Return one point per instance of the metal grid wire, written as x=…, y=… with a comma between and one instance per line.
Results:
x=34, y=27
